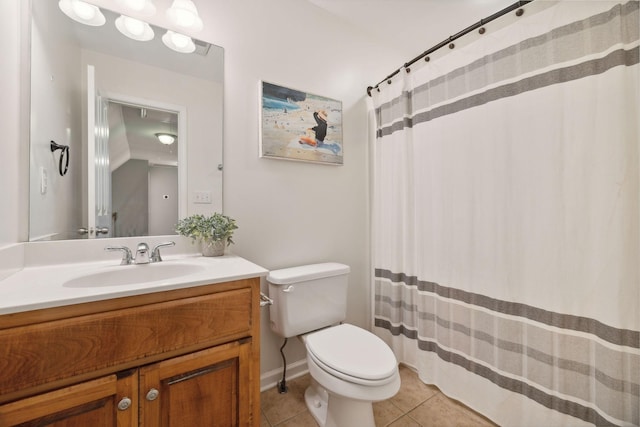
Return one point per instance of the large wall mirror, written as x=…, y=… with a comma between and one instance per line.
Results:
x=126, y=136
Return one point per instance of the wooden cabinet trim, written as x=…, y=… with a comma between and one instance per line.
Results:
x=51, y=351
x=44, y=404
x=25, y=318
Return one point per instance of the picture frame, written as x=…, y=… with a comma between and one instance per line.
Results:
x=300, y=126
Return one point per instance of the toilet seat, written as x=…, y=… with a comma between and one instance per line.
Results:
x=352, y=354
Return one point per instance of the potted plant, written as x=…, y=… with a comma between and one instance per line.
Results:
x=212, y=232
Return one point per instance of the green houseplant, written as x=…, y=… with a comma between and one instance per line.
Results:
x=213, y=232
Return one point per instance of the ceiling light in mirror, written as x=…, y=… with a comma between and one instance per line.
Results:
x=178, y=42
x=142, y=7
x=134, y=28
x=82, y=12
x=183, y=14
x=166, y=138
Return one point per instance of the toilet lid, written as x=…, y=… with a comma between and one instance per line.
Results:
x=353, y=352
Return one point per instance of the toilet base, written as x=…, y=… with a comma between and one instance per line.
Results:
x=330, y=410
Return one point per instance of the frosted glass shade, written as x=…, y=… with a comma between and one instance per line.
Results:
x=183, y=14
x=141, y=7
x=166, y=138
x=134, y=28
x=82, y=12
x=178, y=42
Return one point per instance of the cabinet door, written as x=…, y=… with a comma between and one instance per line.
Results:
x=92, y=403
x=209, y=388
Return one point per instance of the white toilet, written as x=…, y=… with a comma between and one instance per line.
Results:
x=350, y=367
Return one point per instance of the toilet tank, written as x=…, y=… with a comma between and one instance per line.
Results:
x=307, y=297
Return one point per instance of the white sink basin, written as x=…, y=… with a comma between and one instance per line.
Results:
x=132, y=274
x=36, y=287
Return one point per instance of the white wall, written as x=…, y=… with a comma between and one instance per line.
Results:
x=289, y=213
x=56, y=116
x=163, y=194
x=292, y=213
x=14, y=192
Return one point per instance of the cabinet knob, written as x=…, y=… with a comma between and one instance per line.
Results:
x=152, y=394
x=124, y=404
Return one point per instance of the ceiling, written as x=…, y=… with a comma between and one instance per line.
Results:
x=411, y=26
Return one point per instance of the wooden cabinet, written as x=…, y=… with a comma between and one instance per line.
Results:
x=199, y=389
x=180, y=358
x=91, y=403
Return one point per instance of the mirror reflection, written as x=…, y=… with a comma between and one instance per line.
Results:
x=143, y=163
x=111, y=99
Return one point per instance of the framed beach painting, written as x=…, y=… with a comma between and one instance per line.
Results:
x=297, y=125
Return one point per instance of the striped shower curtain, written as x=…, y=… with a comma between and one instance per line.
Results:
x=506, y=220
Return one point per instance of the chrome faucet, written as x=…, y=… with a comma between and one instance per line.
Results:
x=142, y=254
x=126, y=253
x=155, y=253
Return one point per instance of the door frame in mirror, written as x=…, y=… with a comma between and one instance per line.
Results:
x=181, y=112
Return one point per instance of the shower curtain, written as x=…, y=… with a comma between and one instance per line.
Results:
x=506, y=220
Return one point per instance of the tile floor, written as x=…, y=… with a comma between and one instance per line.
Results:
x=415, y=405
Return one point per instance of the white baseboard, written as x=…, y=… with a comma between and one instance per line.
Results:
x=294, y=370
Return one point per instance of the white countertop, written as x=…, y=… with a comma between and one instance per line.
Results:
x=35, y=286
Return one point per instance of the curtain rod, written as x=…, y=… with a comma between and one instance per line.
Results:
x=480, y=24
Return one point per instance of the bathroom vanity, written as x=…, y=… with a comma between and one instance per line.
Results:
x=174, y=352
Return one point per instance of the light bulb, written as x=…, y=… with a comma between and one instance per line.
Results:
x=183, y=14
x=166, y=138
x=136, y=4
x=84, y=10
x=180, y=40
x=139, y=7
x=135, y=26
x=184, y=18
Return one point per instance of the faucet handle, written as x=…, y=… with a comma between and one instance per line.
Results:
x=126, y=253
x=155, y=254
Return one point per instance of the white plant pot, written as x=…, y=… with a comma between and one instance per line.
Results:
x=213, y=248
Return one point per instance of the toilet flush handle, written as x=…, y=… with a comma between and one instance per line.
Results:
x=265, y=300
x=288, y=289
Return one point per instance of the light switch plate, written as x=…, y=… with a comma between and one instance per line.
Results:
x=44, y=180
x=202, y=197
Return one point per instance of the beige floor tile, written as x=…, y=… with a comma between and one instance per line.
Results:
x=263, y=420
x=444, y=412
x=469, y=416
x=280, y=407
x=437, y=411
x=385, y=412
x=405, y=421
x=304, y=419
x=412, y=390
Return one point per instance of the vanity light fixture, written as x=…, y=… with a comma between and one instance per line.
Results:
x=82, y=12
x=166, y=138
x=134, y=28
x=140, y=7
x=183, y=14
x=178, y=42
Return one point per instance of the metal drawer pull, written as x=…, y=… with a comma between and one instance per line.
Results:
x=124, y=404
x=265, y=300
x=152, y=395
